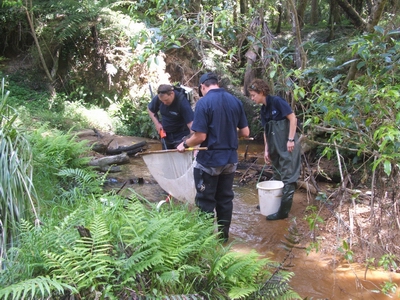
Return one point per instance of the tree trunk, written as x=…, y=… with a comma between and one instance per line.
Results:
x=30, y=21
x=331, y=22
x=249, y=75
x=314, y=12
x=243, y=7
x=301, y=8
x=376, y=14
x=54, y=69
x=234, y=14
x=278, y=27
x=119, y=159
x=351, y=74
x=260, y=31
x=352, y=14
x=300, y=55
x=336, y=13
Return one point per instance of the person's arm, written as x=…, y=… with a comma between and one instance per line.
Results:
x=266, y=153
x=196, y=139
x=189, y=125
x=155, y=120
x=292, y=131
x=244, y=132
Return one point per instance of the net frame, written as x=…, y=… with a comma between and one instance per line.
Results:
x=173, y=171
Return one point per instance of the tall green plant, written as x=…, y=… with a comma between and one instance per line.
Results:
x=17, y=193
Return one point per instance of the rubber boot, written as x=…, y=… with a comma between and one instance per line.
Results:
x=286, y=203
x=224, y=232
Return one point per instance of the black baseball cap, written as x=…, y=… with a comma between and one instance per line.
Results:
x=207, y=76
x=204, y=78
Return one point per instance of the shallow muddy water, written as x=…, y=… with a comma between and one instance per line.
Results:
x=317, y=276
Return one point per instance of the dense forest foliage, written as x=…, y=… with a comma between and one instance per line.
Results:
x=336, y=62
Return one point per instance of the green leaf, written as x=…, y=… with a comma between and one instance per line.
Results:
x=387, y=167
x=360, y=65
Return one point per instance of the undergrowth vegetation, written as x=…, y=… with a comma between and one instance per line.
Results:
x=62, y=235
x=90, y=244
x=116, y=248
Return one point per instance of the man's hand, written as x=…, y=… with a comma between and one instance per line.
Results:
x=181, y=148
x=162, y=132
x=159, y=127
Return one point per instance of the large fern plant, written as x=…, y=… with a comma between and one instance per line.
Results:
x=61, y=172
x=114, y=248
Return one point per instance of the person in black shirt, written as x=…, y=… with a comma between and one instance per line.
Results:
x=218, y=123
x=282, y=148
x=176, y=114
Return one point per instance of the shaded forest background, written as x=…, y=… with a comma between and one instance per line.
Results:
x=336, y=62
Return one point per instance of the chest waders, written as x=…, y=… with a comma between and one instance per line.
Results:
x=214, y=193
x=286, y=164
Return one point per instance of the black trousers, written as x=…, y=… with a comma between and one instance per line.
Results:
x=215, y=193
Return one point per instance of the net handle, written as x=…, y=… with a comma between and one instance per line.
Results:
x=170, y=150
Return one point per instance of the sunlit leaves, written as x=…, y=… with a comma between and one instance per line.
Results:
x=346, y=250
x=364, y=118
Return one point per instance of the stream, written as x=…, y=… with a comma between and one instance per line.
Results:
x=317, y=275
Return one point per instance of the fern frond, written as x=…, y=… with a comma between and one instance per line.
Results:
x=79, y=175
x=233, y=264
x=88, y=261
x=241, y=292
x=277, y=287
x=149, y=258
x=41, y=287
x=25, y=226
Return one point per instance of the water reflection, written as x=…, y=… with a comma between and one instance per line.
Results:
x=317, y=276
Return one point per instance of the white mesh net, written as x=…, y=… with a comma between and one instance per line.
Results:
x=173, y=171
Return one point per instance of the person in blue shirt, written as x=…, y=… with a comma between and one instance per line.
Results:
x=282, y=148
x=176, y=114
x=219, y=120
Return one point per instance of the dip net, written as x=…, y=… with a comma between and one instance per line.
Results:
x=173, y=171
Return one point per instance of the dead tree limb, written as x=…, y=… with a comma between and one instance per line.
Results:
x=130, y=150
x=119, y=159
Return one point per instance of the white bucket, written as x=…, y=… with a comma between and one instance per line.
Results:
x=269, y=196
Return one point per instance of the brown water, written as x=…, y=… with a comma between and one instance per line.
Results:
x=317, y=276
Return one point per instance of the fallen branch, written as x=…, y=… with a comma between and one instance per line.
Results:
x=119, y=159
x=130, y=150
